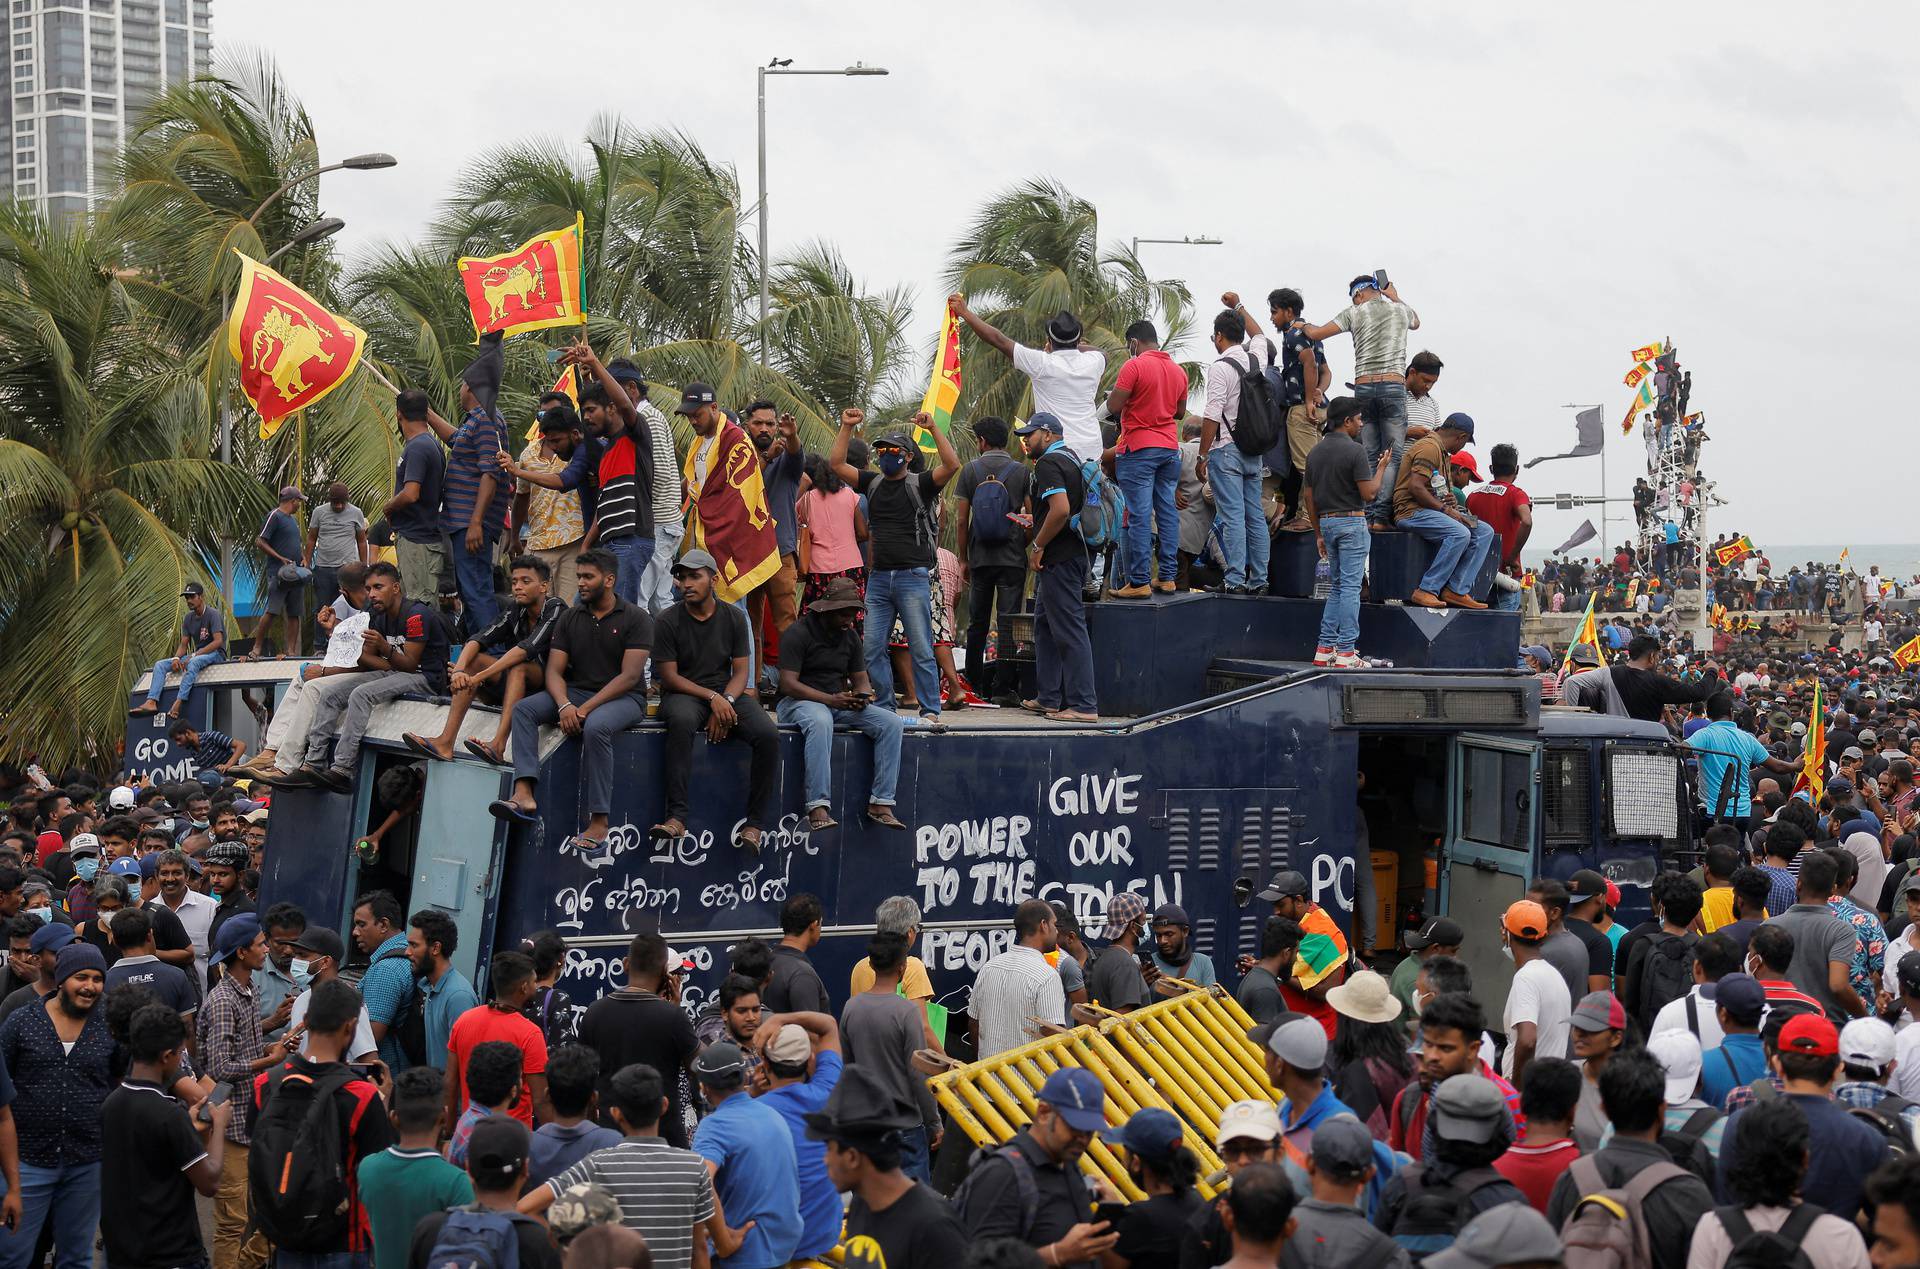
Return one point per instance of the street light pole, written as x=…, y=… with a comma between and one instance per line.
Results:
x=783, y=66
x=1202, y=241
x=1595, y=405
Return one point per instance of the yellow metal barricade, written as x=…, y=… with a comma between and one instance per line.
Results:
x=1188, y=1054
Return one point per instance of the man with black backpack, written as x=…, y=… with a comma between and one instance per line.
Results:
x=1062, y=650
x=991, y=490
x=900, y=516
x=488, y=1233
x=1660, y=968
x=1243, y=422
x=1633, y=1183
x=1032, y=1188
x=1768, y=1226
x=314, y=1119
x=1426, y=1204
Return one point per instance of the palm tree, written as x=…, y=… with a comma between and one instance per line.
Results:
x=1031, y=251
x=110, y=502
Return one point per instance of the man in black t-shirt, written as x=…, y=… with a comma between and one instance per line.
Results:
x=893, y=1220
x=1063, y=653
x=904, y=529
x=823, y=681
x=703, y=657
x=404, y=650
x=642, y=1022
x=993, y=555
x=596, y=667
x=154, y=1155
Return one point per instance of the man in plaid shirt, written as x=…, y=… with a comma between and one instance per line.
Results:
x=233, y=1052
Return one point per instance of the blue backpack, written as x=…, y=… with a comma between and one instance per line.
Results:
x=990, y=505
x=1100, y=515
x=473, y=1239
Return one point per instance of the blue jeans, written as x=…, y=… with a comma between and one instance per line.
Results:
x=631, y=557
x=1062, y=650
x=1235, y=478
x=473, y=570
x=1506, y=600
x=68, y=1196
x=914, y=1160
x=1148, y=478
x=816, y=722
x=656, y=583
x=195, y=664
x=1348, y=541
x=1456, y=565
x=1383, y=426
x=902, y=593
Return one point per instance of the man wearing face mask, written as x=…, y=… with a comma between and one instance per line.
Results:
x=317, y=953
x=776, y=438
x=273, y=985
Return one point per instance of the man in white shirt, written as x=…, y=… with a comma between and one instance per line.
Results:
x=1905, y=942
x=1065, y=373
x=1539, y=1008
x=317, y=954
x=1714, y=957
x=194, y=909
x=1018, y=983
x=1234, y=475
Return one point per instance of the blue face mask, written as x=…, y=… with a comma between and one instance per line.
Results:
x=42, y=915
x=892, y=462
x=86, y=867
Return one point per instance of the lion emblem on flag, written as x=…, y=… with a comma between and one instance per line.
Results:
x=291, y=342
x=519, y=282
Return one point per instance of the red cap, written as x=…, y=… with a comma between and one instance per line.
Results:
x=1464, y=461
x=1613, y=895
x=1810, y=1035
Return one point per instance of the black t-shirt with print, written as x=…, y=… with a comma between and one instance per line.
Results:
x=1057, y=470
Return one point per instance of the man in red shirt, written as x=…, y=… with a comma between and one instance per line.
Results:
x=1150, y=396
x=511, y=978
x=1507, y=510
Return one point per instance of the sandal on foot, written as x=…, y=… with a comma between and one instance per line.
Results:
x=481, y=749
x=421, y=747
x=824, y=821
x=742, y=841
x=511, y=811
x=886, y=819
x=667, y=831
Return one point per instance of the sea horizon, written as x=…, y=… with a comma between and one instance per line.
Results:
x=1895, y=559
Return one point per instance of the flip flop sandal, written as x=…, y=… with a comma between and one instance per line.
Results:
x=666, y=832
x=886, y=820
x=743, y=842
x=821, y=825
x=481, y=749
x=420, y=746
x=511, y=811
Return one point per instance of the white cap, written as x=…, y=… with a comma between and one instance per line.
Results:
x=1678, y=1053
x=1866, y=1042
x=121, y=799
x=1257, y=1120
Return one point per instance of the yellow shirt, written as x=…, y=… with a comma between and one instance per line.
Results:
x=553, y=515
x=1716, y=908
x=915, y=981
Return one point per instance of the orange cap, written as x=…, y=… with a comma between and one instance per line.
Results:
x=1526, y=919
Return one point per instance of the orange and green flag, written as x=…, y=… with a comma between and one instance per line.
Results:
x=1588, y=633
x=943, y=386
x=291, y=351
x=569, y=383
x=1734, y=551
x=1813, y=762
x=1639, y=372
x=540, y=283
x=1641, y=400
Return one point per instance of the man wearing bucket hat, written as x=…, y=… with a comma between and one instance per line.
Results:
x=824, y=683
x=1070, y=1108
x=892, y=1219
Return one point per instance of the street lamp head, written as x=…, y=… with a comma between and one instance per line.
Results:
x=364, y=162
x=861, y=68
x=325, y=227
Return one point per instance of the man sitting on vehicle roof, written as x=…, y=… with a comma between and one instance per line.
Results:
x=823, y=681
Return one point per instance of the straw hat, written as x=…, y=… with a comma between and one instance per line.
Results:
x=1364, y=997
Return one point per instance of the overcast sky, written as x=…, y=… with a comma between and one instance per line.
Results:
x=1549, y=187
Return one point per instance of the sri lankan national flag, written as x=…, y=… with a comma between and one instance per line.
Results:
x=538, y=284
x=291, y=351
x=943, y=386
x=1641, y=400
x=731, y=518
x=1588, y=633
x=1639, y=372
x=1734, y=551
x=1648, y=353
x=1907, y=653
x=569, y=383
x=1813, y=762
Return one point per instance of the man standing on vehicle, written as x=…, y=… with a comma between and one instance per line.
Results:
x=1727, y=757
x=1150, y=397
x=994, y=563
x=1065, y=374
x=1062, y=650
x=1235, y=475
x=279, y=542
x=1302, y=367
x=414, y=509
x=1378, y=321
x=776, y=439
x=203, y=642
x=336, y=537
x=1338, y=486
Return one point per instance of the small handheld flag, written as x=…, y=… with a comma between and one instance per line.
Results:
x=569, y=383
x=1907, y=653
x=1588, y=633
x=1734, y=551
x=291, y=351
x=540, y=283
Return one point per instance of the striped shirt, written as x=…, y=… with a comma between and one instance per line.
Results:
x=663, y=1193
x=470, y=456
x=666, y=466
x=1013, y=986
x=215, y=747
x=1424, y=411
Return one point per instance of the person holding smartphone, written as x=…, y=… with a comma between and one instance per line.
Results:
x=823, y=681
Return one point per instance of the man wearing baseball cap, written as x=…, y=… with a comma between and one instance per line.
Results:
x=1063, y=652
x=1842, y=1148
x=1739, y=1058
x=754, y=1184
x=1440, y=936
x=1320, y=962
x=1378, y=322
x=1539, y=1006
x=1423, y=504
x=497, y=1155
x=1867, y=1053
x=1468, y=1127
x=1332, y=1226
x=802, y=1062
x=1249, y=1134
x=1295, y=1048
x=203, y=642
x=1070, y=1108
x=232, y=1050
x=1586, y=909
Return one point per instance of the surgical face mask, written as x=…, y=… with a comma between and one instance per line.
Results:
x=1506, y=949
x=86, y=867
x=42, y=915
x=300, y=971
x=892, y=462
x=1420, y=999
x=197, y=824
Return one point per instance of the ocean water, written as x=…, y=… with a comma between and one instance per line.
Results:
x=1896, y=560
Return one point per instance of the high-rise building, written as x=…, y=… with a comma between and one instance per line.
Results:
x=77, y=72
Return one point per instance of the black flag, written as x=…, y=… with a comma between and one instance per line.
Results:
x=1585, y=533
x=1592, y=433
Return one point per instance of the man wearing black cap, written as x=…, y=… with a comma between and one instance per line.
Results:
x=1587, y=900
x=1065, y=374
x=497, y=1154
x=1423, y=504
x=901, y=516
x=1150, y=397
x=893, y=1221
x=994, y=561
x=233, y=1052
x=754, y=1185
x=994, y=1201
x=1063, y=652
x=1339, y=485
x=1440, y=936
x=203, y=642
x=702, y=656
